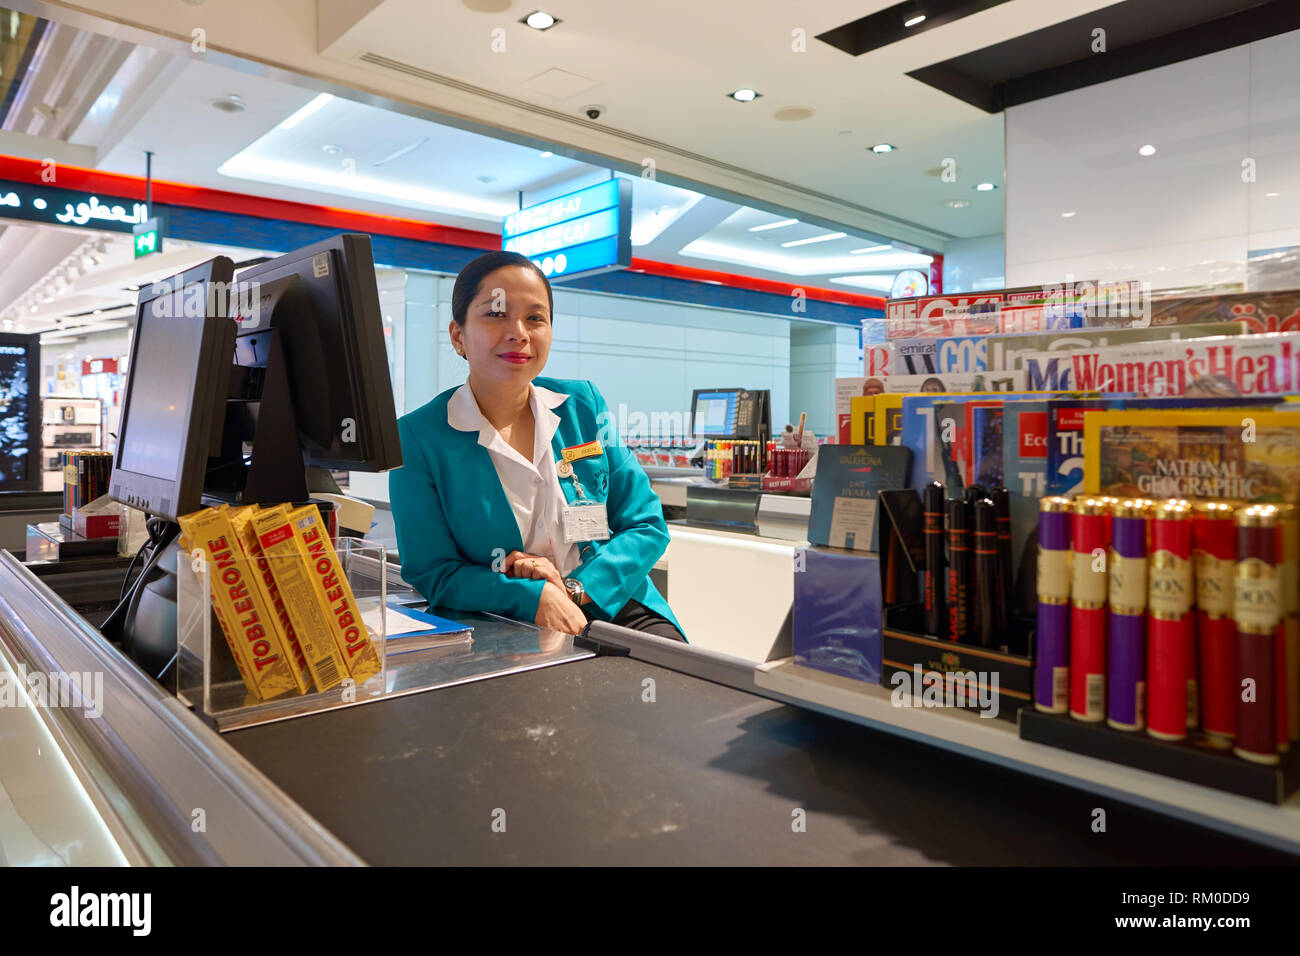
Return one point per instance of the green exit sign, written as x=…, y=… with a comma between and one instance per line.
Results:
x=148, y=238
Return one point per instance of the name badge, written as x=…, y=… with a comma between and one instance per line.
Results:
x=586, y=450
x=585, y=521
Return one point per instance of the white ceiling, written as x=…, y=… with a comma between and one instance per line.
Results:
x=661, y=70
x=289, y=143
x=142, y=80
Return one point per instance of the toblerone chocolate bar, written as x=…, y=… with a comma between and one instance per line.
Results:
x=289, y=568
x=351, y=635
x=241, y=521
x=245, y=618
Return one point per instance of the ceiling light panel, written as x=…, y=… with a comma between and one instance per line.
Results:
x=384, y=157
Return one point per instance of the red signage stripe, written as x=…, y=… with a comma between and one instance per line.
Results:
x=30, y=171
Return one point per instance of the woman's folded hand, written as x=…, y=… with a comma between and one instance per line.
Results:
x=521, y=564
x=557, y=611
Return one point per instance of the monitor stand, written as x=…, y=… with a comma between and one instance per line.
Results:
x=259, y=411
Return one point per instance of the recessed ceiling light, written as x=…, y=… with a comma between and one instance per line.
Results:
x=1147, y=150
x=866, y=249
x=1067, y=215
x=780, y=223
x=985, y=187
x=539, y=20
x=546, y=154
x=957, y=203
x=35, y=309
x=744, y=95
x=98, y=312
x=316, y=103
x=883, y=148
x=1270, y=195
x=229, y=104
x=913, y=21
x=804, y=242
x=331, y=150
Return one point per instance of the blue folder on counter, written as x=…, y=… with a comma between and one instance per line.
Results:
x=431, y=630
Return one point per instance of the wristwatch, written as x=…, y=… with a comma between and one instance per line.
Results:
x=575, y=589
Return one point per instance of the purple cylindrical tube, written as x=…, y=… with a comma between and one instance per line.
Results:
x=1052, y=661
x=1127, y=650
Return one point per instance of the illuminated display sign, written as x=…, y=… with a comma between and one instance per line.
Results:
x=580, y=233
x=69, y=207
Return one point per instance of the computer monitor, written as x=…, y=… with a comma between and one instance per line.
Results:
x=723, y=413
x=20, y=413
x=325, y=301
x=175, y=391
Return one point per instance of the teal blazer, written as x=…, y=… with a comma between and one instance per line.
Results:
x=454, y=521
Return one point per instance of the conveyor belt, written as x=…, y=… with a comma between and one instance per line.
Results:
x=589, y=773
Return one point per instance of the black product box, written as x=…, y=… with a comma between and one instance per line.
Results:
x=910, y=656
x=1192, y=760
x=922, y=666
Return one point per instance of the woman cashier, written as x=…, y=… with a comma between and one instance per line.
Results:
x=516, y=496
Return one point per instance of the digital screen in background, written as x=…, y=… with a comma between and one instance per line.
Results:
x=14, y=414
x=715, y=413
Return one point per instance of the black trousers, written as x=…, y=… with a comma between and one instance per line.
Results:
x=637, y=617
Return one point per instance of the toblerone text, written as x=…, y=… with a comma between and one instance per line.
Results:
x=241, y=522
x=289, y=568
x=246, y=620
x=351, y=635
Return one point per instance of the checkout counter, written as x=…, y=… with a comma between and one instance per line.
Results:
x=614, y=748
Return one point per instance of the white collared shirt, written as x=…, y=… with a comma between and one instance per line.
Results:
x=531, y=487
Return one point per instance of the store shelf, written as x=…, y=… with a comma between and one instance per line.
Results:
x=999, y=742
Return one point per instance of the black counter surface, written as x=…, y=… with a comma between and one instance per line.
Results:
x=587, y=772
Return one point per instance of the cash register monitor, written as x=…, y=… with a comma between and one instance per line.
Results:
x=175, y=391
x=723, y=413
x=324, y=300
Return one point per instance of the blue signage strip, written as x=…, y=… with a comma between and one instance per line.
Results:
x=573, y=205
x=575, y=232
x=579, y=234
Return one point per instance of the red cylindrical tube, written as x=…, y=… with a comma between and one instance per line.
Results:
x=1169, y=629
x=1289, y=579
x=1089, y=583
x=1215, y=542
x=1256, y=608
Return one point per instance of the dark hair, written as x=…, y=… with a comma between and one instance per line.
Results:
x=470, y=280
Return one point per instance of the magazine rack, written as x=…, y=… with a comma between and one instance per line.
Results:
x=208, y=679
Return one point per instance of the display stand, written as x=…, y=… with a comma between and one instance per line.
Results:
x=68, y=423
x=208, y=679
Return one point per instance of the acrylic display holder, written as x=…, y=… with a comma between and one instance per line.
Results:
x=208, y=679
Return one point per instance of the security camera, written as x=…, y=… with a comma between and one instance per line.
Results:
x=593, y=112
